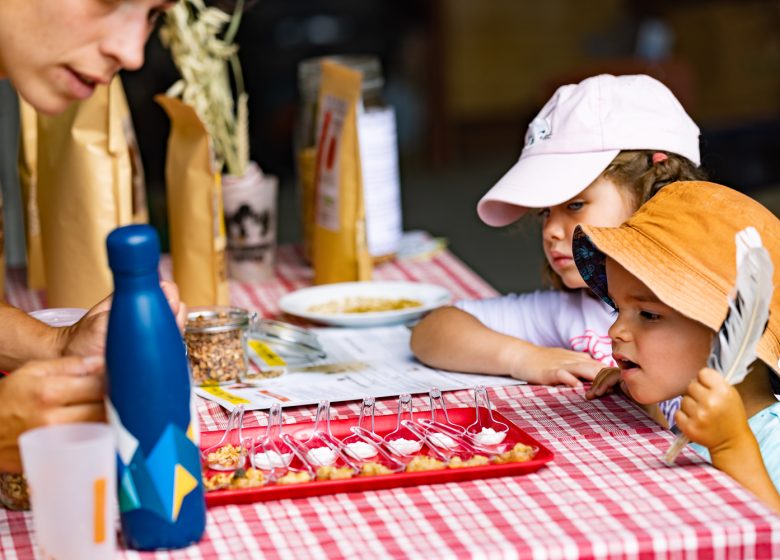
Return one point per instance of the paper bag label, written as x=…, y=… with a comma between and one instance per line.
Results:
x=334, y=112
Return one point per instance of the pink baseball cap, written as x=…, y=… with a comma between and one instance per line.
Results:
x=579, y=132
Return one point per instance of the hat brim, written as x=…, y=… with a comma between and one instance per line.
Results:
x=675, y=283
x=540, y=181
x=670, y=279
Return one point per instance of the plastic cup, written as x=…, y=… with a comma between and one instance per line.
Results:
x=59, y=316
x=71, y=471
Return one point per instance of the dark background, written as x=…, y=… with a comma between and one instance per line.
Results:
x=465, y=78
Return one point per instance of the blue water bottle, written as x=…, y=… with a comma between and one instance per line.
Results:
x=150, y=402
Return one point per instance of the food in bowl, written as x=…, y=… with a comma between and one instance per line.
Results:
x=363, y=305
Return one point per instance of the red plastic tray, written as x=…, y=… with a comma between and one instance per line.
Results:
x=383, y=425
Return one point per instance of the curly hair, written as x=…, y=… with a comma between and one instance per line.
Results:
x=635, y=171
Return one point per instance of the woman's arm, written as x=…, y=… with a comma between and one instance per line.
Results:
x=23, y=338
x=451, y=339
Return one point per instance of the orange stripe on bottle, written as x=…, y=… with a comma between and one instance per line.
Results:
x=99, y=511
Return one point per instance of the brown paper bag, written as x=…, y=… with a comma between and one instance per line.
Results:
x=85, y=190
x=340, y=251
x=306, y=160
x=195, y=220
x=2, y=252
x=28, y=181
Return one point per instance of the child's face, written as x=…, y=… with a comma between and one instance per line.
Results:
x=659, y=351
x=55, y=51
x=603, y=204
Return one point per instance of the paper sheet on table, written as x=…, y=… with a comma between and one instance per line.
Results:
x=390, y=369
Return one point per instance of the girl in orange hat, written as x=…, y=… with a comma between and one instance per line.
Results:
x=668, y=272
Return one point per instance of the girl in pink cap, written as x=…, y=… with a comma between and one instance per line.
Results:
x=594, y=154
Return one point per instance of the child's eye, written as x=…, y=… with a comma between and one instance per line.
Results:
x=544, y=213
x=649, y=316
x=575, y=206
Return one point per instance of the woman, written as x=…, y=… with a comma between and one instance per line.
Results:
x=55, y=52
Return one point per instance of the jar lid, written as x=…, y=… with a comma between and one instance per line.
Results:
x=217, y=318
x=290, y=341
x=310, y=71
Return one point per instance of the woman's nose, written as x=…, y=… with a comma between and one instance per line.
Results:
x=126, y=44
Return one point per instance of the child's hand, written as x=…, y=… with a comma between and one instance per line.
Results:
x=608, y=380
x=605, y=383
x=556, y=366
x=712, y=413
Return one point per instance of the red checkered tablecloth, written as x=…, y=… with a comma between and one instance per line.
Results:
x=605, y=495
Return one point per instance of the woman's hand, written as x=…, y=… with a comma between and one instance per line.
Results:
x=88, y=336
x=59, y=391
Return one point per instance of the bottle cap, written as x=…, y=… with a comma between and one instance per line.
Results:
x=133, y=249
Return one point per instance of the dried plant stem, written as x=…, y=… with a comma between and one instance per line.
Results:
x=191, y=32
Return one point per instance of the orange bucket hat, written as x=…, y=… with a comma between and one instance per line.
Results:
x=681, y=245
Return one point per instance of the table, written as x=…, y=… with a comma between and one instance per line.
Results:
x=605, y=495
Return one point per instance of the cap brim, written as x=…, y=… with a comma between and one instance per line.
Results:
x=540, y=181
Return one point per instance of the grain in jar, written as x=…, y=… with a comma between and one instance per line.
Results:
x=216, y=340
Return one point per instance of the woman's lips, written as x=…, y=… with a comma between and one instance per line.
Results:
x=79, y=86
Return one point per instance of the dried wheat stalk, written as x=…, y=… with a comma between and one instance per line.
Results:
x=191, y=32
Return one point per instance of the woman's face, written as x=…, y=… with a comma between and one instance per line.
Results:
x=603, y=204
x=658, y=350
x=56, y=51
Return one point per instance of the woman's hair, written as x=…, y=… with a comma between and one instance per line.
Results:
x=636, y=171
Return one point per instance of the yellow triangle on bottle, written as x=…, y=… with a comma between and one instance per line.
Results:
x=183, y=484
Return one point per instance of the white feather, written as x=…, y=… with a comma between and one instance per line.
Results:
x=734, y=345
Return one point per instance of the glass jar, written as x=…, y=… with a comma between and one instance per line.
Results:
x=13, y=491
x=277, y=346
x=378, y=154
x=216, y=340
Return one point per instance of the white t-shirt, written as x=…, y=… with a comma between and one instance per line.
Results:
x=551, y=318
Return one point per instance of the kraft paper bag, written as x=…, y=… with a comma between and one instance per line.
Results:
x=195, y=220
x=28, y=181
x=88, y=184
x=340, y=249
x=2, y=252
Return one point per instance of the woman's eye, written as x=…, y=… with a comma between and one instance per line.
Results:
x=649, y=316
x=614, y=312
